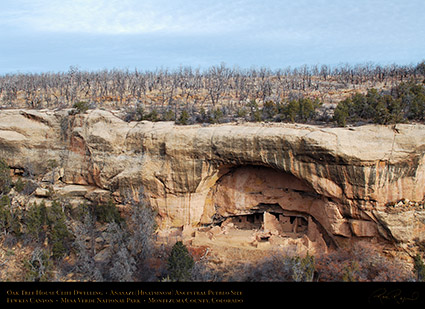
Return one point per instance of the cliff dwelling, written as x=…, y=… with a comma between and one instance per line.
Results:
x=276, y=219
x=256, y=204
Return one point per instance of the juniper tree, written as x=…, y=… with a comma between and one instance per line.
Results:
x=59, y=235
x=180, y=263
x=35, y=219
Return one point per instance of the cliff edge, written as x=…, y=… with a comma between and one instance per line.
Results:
x=334, y=185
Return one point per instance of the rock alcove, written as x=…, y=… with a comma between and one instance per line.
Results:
x=271, y=203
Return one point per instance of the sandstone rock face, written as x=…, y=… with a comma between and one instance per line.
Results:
x=345, y=181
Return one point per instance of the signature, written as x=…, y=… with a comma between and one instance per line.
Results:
x=396, y=296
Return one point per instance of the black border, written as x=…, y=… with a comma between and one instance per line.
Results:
x=211, y=293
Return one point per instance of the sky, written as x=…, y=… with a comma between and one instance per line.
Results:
x=53, y=35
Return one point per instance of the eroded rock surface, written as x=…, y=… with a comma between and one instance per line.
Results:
x=346, y=181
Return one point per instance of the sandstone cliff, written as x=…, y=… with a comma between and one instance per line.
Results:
x=348, y=182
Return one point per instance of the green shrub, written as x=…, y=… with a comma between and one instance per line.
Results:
x=406, y=102
x=215, y=115
x=269, y=110
x=103, y=213
x=60, y=238
x=5, y=179
x=241, y=112
x=5, y=213
x=9, y=218
x=169, y=115
x=341, y=113
x=307, y=109
x=419, y=268
x=256, y=115
x=180, y=263
x=152, y=116
x=107, y=213
x=19, y=185
x=35, y=220
x=81, y=107
x=184, y=118
x=291, y=110
x=59, y=235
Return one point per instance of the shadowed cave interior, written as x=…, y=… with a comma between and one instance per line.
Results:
x=251, y=197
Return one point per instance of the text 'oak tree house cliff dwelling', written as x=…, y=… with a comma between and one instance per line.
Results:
x=285, y=183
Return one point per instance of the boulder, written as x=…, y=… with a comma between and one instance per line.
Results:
x=41, y=192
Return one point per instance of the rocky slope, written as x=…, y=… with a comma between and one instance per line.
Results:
x=347, y=184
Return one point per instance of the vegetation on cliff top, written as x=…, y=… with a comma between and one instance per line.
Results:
x=362, y=93
x=403, y=103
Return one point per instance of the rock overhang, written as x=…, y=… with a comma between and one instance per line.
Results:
x=357, y=170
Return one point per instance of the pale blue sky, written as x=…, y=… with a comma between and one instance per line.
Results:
x=52, y=35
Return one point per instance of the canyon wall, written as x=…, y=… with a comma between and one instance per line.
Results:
x=364, y=182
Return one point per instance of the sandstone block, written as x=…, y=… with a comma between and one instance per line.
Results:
x=363, y=228
x=41, y=192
